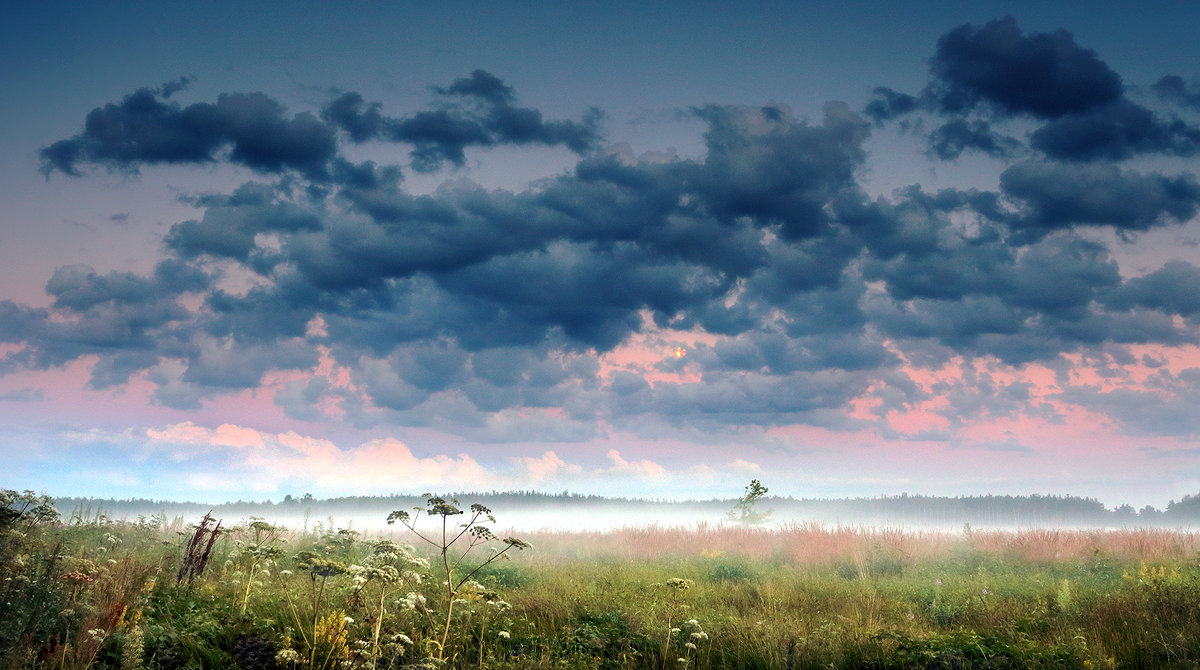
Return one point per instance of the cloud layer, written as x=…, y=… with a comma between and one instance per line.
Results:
x=552, y=313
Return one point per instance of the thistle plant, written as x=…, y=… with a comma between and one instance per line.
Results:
x=693, y=636
x=473, y=533
x=259, y=553
x=319, y=569
x=386, y=570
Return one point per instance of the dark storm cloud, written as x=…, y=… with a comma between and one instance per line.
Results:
x=887, y=104
x=986, y=76
x=1044, y=75
x=464, y=308
x=1115, y=132
x=763, y=165
x=1174, y=288
x=147, y=129
x=113, y=314
x=230, y=223
x=1173, y=88
x=593, y=295
x=172, y=87
x=475, y=111
x=952, y=138
x=582, y=255
x=986, y=297
x=1062, y=276
x=1059, y=196
x=361, y=120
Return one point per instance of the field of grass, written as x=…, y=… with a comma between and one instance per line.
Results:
x=92, y=593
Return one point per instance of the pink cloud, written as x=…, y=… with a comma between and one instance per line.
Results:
x=639, y=468
x=546, y=467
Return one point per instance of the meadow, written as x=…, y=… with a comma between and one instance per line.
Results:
x=444, y=588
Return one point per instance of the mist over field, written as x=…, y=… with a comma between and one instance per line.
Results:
x=527, y=511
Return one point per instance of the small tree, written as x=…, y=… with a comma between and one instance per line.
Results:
x=744, y=510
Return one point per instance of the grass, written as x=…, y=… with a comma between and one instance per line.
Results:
x=103, y=594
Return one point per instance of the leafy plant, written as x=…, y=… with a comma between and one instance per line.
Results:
x=745, y=511
x=474, y=533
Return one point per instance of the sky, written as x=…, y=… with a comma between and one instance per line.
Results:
x=252, y=250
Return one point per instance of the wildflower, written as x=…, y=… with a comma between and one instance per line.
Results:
x=985, y=592
x=938, y=582
x=674, y=631
x=700, y=635
x=503, y=635
x=411, y=601
x=691, y=646
x=134, y=649
x=401, y=638
x=287, y=656
x=285, y=573
x=347, y=621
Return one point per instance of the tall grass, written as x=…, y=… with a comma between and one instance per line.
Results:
x=93, y=593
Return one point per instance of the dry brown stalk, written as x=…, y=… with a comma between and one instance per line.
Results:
x=198, y=551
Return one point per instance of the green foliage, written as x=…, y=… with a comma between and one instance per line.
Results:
x=731, y=570
x=94, y=593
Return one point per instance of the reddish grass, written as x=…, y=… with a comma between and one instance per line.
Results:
x=814, y=543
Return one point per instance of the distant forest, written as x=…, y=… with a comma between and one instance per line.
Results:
x=901, y=510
